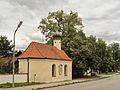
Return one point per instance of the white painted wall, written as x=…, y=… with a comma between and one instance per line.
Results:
x=4, y=78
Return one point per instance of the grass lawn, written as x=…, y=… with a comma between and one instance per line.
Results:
x=86, y=77
x=97, y=76
x=108, y=73
x=9, y=85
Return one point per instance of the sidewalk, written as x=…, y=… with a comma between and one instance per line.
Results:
x=49, y=85
x=56, y=84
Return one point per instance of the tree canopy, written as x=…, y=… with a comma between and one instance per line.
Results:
x=5, y=46
x=87, y=52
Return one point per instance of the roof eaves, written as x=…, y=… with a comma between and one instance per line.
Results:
x=43, y=58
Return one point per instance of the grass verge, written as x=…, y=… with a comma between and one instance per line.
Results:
x=108, y=73
x=9, y=85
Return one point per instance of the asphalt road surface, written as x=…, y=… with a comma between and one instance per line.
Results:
x=112, y=83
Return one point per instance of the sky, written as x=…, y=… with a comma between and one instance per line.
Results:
x=101, y=18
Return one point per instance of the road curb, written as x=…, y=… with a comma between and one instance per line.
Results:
x=69, y=83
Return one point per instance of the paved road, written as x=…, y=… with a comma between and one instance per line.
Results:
x=112, y=83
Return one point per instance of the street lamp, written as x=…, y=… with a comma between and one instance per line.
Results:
x=13, y=78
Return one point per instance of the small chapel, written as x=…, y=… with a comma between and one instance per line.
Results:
x=45, y=63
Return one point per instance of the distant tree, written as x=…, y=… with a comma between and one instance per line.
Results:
x=92, y=57
x=100, y=52
x=116, y=56
x=5, y=46
x=108, y=60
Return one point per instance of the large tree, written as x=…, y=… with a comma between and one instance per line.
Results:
x=70, y=25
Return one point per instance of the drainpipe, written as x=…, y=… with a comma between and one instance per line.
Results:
x=27, y=70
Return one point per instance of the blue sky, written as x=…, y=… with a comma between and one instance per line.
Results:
x=100, y=18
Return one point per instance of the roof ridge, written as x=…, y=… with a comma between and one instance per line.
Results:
x=42, y=43
x=38, y=49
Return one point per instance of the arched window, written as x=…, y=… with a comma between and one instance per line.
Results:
x=60, y=69
x=53, y=70
x=65, y=70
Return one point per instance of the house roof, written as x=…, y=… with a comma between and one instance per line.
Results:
x=44, y=51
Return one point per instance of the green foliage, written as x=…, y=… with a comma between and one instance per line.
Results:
x=61, y=22
x=86, y=52
x=116, y=56
x=5, y=46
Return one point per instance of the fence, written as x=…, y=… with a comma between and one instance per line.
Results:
x=4, y=78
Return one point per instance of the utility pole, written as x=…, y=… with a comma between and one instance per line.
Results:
x=13, y=78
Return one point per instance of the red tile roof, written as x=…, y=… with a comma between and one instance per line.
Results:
x=40, y=50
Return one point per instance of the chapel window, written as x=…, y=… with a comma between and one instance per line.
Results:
x=53, y=70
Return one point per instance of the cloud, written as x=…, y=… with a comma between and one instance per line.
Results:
x=100, y=18
x=37, y=36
